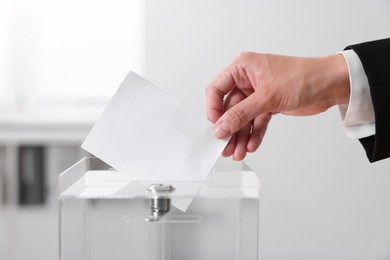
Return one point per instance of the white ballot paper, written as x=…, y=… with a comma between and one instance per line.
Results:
x=149, y=136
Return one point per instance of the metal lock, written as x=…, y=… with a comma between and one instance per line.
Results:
x=160, y=203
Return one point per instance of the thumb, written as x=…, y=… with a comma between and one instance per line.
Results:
x=237, y=117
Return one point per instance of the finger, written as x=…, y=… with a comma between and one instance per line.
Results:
x=241, y=143
x=259, y=128
x=237, y=117
x=229, y=149
x=215, y=93
x=234, y=97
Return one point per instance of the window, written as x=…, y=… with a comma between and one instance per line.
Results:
x=66, y=54
x=7, y=98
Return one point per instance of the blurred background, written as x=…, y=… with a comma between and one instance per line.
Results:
x=61, y=61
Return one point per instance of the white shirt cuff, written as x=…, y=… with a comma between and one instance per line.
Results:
x=358, y=116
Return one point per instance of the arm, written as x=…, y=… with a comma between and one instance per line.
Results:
x=375, y=58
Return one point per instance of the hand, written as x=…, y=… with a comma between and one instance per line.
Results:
x=244, y=96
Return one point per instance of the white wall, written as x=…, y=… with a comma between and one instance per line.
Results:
x=65, y=57
x=321, y=198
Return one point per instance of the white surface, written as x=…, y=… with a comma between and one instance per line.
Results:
x=64, y=52
x=147, y=135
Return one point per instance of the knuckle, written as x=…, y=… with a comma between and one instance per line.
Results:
x=244, y=55
x=210, y=86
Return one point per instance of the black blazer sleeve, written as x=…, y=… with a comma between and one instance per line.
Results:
x=375, y=57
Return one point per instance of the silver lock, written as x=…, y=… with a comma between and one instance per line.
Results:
x=161, y=188
x=160, y=203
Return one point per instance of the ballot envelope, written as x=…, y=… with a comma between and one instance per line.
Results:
x=105, y=215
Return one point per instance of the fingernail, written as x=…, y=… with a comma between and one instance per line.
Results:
x=221, y=130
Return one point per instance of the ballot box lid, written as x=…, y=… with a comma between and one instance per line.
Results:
x=91, y=178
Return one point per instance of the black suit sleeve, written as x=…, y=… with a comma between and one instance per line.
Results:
x=375, y=57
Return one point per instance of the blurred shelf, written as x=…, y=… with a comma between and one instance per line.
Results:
x=57, y=134
x=52, y=126
x=43, y=134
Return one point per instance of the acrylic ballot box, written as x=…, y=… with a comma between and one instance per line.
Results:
x=104, y=215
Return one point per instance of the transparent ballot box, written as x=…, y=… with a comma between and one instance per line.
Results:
x=105, y=215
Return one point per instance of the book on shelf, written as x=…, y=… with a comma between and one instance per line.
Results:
x=31, y=177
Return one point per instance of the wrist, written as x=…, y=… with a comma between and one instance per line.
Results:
x=336, y=78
